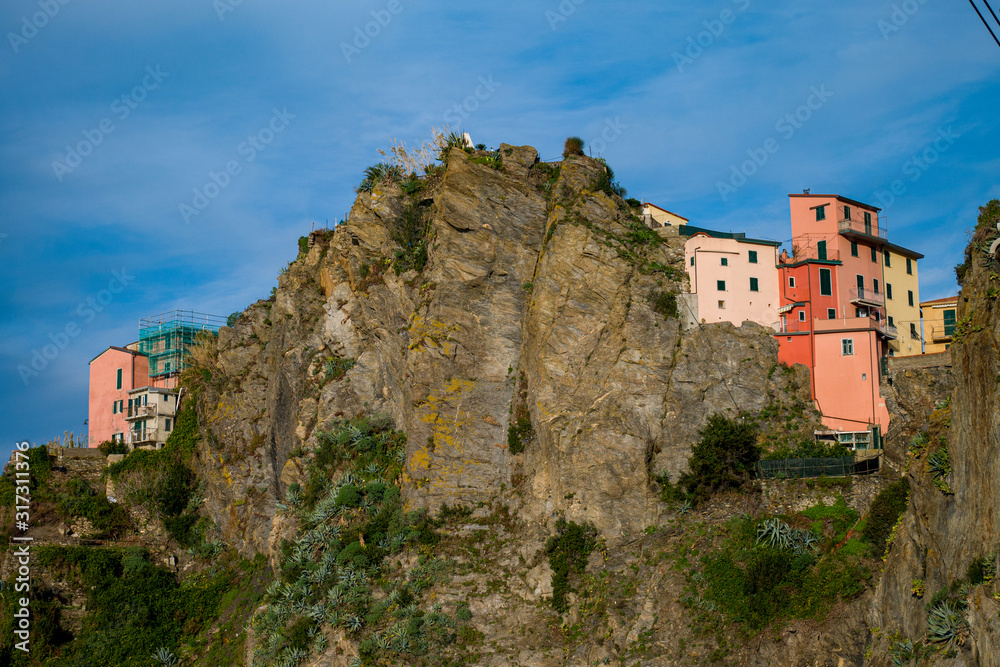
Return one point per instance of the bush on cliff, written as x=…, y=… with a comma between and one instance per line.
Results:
x=723, y=459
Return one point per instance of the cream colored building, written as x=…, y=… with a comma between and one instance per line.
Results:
x=656, y=216
x=902, y=299
x=939, y=316
x=150, y=414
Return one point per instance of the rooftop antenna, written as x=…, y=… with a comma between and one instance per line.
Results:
x=805, y=191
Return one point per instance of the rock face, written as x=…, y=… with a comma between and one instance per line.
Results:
x=537, y=299
x=942, y=533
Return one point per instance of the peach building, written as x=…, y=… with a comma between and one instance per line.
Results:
x=660, y=217
x=902, y=299
x=113, y=373
x=734, y=278
x=833, y=316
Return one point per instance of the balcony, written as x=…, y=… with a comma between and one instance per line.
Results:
x=866, y=297
x=890, y=331
x=860, y=229
x=942, y=334
x=135, y=412
x=141, y=437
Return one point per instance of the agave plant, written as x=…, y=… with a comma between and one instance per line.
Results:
x=946, y=625
x=354, y=623
x=380, y=173
x=165, y=657
x=902, y=653
x=804, y=540
x=775, y=533
x=939, y=464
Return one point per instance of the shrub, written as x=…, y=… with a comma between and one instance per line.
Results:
x=633, y=202
x=664, y=303
x=980, y=570
x=885, y=511
x=573, y=146
x=380, y=173
x=303, y=245
x=349, y=496
x=568, y=551
x=109, y=447
x=410, y=232
x=723, y=459
x=607, y=184
x=518, y=434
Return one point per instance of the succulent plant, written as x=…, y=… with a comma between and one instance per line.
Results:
x=947, y=625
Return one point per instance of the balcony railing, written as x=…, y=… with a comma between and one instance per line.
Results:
x=866, y=296
x=890, y=331
x=861, y=227
x=136, y=411
x=942, y=333
x=838, y=324
x=141, y=436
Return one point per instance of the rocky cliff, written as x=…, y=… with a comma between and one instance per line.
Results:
x=945, y=551
x=542, y=298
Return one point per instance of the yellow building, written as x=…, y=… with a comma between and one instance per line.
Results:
x=902, y=299
x=939, y=323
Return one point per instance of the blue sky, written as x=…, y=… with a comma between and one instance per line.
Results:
x=160, y=97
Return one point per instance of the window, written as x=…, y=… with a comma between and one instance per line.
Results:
x=860, y=313
x=722, y=305
x=725, y=261
x=885, y=256
x=831, y=313
x=114, y=408
x=720, y=285
x=166, y=367
x=802, y=315
x=909, y=266
x=754, y=285
x=821, y=250
x=847, y=347
x=791, y=281
x=825, y=282
x=168, y=425
x=949, y=322
x=692, y=260
x=913, y=331
x=875, y=285
x=888, y=290
x=119, y=378
x=868, y=223
x=909, y=297
x=891, y=323
x=854, y=248
x=821, y=212
x=861, y=285
x=874, y=254
x=752, y=256
x=847, y=213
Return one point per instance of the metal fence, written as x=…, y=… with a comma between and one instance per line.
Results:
x=840, y=466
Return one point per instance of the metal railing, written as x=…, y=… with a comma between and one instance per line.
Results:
x=141, y=436
x=867, y=295
x=861, y=227
x=140, y=411
x=943, y=333
x=890, y=330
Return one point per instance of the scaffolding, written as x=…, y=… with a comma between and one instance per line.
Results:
x=165, y=338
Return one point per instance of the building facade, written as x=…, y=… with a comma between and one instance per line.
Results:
x=734, y=278
x=902, y=299
x=939, y=317
x=833, y=312
x=150, y=415
x=656, y=216
x=113, y=374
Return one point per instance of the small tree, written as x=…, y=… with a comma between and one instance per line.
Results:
x=573, y=146
x=723, y=459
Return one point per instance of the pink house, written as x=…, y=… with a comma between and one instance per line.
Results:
x=735, y=278
x=833, y=312
x=113, y=373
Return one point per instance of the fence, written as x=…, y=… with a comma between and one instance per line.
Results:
x=840, y=466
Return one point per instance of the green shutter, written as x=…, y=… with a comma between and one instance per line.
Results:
x=825, y=283
x=949, y=322
x=821, y=250
x=119, y=378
